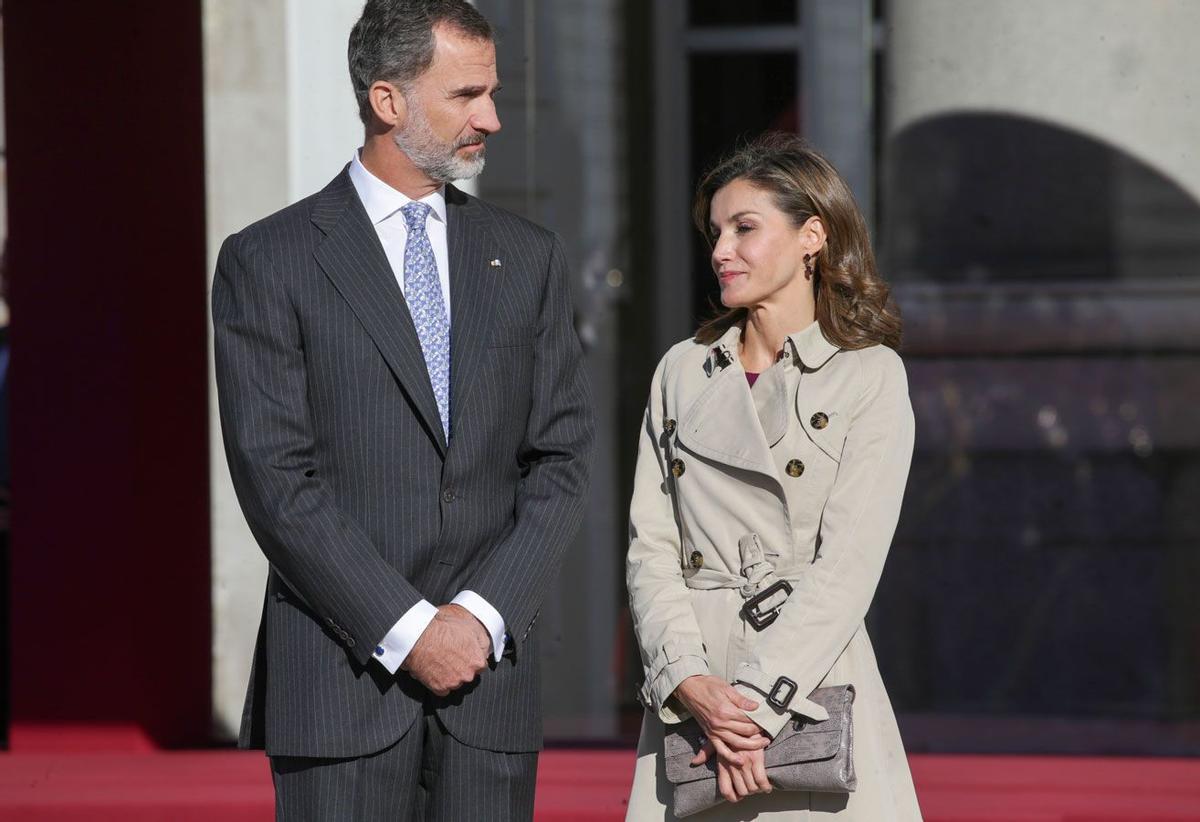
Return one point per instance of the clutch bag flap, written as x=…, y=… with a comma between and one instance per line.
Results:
x=798, y=741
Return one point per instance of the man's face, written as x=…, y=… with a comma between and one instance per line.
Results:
x=450, y=111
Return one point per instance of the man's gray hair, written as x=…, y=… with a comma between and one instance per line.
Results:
x=393, y=41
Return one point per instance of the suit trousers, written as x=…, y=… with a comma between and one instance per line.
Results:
x=426, y=776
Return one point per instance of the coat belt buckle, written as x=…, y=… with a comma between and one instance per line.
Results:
x=782, y=693
x=758, y=617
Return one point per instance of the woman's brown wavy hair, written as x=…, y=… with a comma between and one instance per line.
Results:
x=854, y=307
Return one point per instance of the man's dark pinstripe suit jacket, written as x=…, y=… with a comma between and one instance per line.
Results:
x=347, y=481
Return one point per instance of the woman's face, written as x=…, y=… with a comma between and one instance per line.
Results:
x=758, y=255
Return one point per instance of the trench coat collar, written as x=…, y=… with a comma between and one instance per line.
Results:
x=722, y=422
x=810, y=347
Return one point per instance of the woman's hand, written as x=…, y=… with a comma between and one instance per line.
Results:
x=736, y=782
x=720, y=710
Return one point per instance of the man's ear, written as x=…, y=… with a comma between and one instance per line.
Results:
x=388, y=103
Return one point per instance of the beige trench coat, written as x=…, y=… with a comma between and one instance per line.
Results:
x=813, y=460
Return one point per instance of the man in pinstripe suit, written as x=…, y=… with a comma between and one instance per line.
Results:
x=408, y=429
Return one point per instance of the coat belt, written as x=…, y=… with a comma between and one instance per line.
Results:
x=757, y=574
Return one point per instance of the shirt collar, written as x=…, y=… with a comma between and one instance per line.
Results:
x=382, y=201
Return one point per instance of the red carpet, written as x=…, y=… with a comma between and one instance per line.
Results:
x=582, y=786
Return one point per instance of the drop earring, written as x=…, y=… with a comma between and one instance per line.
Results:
x=808, y=267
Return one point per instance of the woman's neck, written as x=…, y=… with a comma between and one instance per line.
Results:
x=765, y=330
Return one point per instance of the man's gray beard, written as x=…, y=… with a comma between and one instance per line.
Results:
x=433, y=156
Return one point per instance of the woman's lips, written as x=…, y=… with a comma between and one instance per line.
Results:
x=727, y=276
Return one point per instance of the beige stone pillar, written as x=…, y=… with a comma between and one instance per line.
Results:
x=280, y=122
x=1123, y=73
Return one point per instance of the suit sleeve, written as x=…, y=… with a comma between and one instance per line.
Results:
x=668, y=634
x=514, y=577
x=323, y=555
x=830, y=601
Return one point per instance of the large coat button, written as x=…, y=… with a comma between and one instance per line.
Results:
x=819, y=420
x=697, y=559
x=677, y=467
x=669, y=427
x=795, y=468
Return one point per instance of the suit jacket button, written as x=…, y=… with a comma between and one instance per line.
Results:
x=677, y=467
x=795, y=468
x=697, y=559
x=350, y=641
x=819, y=420
x=448, y=495
x=669, y=427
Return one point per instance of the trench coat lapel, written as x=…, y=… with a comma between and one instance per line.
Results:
x=354, y=260
x=475, y=283
x=771, y=404
x=722, y=423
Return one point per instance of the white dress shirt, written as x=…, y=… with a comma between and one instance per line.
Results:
x=383, y=204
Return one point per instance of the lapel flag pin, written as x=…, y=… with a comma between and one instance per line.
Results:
x=494, y=263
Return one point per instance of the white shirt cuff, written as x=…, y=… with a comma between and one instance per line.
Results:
x=485, y=613
x=394, y=648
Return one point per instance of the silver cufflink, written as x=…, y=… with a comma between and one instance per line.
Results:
x=494, y=263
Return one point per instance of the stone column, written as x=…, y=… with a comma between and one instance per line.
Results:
x=280, y=122
x=1053, y=143
x=1123, y=73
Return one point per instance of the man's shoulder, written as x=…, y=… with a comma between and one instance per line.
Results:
x=282, y=225
x=288, y=226
x=508, y=224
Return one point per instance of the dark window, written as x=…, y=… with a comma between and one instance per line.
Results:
x=752, y=13
x=733, y=97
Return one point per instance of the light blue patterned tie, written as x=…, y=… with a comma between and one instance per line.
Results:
x=423, y=292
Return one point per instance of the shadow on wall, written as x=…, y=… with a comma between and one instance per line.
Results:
x=986, y=198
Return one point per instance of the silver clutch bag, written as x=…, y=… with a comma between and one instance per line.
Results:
x=804, y=756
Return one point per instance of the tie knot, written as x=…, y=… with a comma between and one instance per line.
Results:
x=415, y=214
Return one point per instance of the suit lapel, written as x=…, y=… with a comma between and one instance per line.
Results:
x=353, y=259
x=474, y=284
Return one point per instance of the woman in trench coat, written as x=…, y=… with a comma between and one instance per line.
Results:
x=776, y=445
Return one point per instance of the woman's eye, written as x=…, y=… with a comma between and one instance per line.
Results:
x=743, y=228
